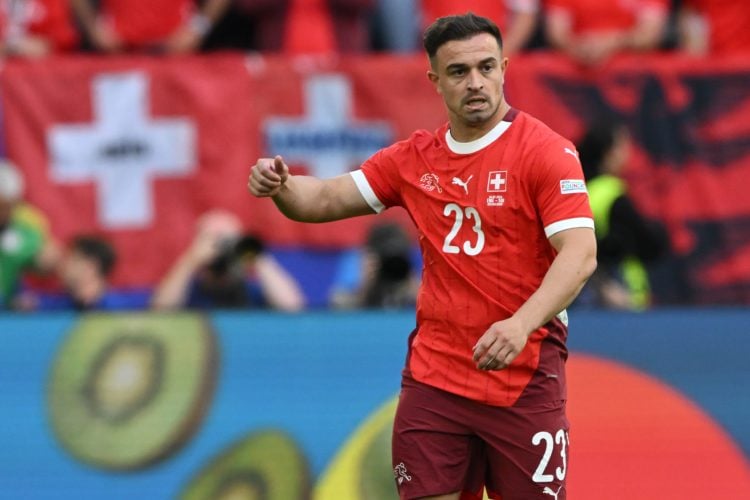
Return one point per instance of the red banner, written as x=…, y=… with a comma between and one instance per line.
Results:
x=691, y=133
x=138, y=148
x=134, y=149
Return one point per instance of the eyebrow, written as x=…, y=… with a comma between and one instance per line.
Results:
x=464, y=65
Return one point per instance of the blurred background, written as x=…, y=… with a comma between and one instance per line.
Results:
x=132, y=259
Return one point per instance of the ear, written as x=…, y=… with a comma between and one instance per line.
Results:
x=434, y=78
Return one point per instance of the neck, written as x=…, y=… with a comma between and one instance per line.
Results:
x=467, y=132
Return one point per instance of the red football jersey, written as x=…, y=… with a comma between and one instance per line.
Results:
x=497, y=10
x=728, y=24
x=606, y=15
x=49, y=19
x=484, y=211
x=147, y=22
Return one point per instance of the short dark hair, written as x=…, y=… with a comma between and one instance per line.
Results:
x=449, y=28
x=97, y=249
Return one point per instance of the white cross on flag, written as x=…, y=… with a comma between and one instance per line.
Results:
x=122, y=150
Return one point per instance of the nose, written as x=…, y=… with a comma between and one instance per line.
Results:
x=475, y=81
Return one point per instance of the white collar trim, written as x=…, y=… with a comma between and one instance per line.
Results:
x=465, y=148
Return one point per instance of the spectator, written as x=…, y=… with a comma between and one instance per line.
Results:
x=517, y=19
x=35, y=28
x=626, y=240
x=591, y=31
x=351, y=24
x=381, y=276
x=325, y=26
x=397, y=26
x=222, y=269
x=170, y=26
x=256, y=25
x=84, y=274
x=25, y=240
x=715, y=27
x=21, y=243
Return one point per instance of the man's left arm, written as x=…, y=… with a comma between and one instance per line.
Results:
x=574, y=263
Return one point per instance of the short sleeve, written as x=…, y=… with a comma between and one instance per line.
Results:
x=560, y=189
x=379, y=179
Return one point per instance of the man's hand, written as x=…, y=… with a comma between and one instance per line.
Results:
x=500, y=344
x=185, y=40
x=213, y=230
x=105, y=39
x=267, y=177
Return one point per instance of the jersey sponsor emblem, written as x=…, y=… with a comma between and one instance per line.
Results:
x=399, y=472
x=430, y=182
x=571, y=186
x=495, y=200
x=459, y=182
x=497, y=182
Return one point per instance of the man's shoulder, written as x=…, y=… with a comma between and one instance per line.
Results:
x=537, y=138
x=536, y=129
x=422, y=138
x=419, y=141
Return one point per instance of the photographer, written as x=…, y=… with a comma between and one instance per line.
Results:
x=381, y=276
x=226, y=270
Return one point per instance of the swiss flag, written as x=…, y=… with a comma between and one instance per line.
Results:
x=137, y=148
x=134, y=149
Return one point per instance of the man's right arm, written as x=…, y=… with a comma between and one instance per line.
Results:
x=304, y=198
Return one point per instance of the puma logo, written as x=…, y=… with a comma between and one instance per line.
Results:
x=548, y=491
x=463, y=184
x=571, y=152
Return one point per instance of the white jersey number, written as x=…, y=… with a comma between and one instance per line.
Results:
x=454, y=210
x=561, y=439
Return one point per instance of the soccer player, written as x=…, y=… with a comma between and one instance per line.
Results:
x=507, y=238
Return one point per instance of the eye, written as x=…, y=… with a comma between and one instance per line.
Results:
x=488, y=67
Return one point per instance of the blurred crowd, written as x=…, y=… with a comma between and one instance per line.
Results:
x=589, y=31
x=224, y=267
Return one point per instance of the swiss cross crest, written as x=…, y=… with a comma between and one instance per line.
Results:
x=497, y=181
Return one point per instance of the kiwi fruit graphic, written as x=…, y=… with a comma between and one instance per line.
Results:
x=128, y=390
x=265, y=465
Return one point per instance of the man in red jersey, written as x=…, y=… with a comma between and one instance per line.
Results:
x=517, y=18
x=170, y=26
x=592, y=31
x=507, y=238
x=35, y=28
x=715, y=27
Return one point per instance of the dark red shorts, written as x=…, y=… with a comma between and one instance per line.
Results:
x=443, y=443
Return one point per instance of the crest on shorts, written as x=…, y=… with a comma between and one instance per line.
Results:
x=399, y=472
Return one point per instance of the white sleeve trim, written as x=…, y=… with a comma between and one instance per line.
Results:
x=366, y=190
x=562, y=225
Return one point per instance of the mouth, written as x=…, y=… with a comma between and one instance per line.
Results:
x=475, y=102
